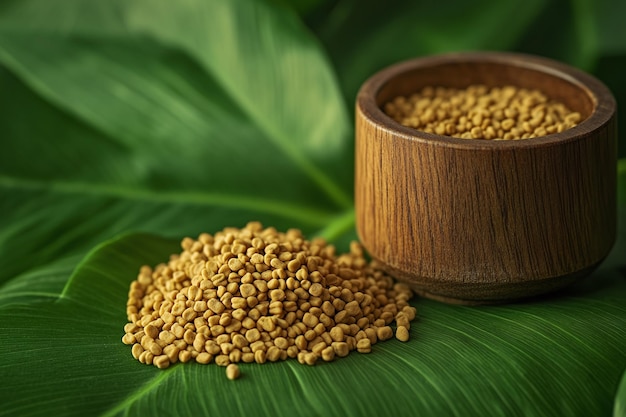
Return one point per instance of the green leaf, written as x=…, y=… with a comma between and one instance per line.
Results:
x=620, y=399
x=176, y=118
x=364, y=36
x=536, y=358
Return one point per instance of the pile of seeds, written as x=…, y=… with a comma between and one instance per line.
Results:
x=257, y=295
x=479, y=112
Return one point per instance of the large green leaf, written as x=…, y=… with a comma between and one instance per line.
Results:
x=174, y=118
x=539, y=358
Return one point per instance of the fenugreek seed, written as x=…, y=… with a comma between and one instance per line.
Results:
x=184, y=356
x=387, y=316
x=167, y=336
x=310, y=358
x=316, y=289
x=352, y=308
x=137, y=350
x=258, y=345
x=276, y=308
x=328, y=308
x=281, y=343
x=235, y=356
x=277, y=295
x=341, y=316
x=310, y=334
x=222, y=360
x=384, y=333
x=161, y=361
x=310, y=320
x=128, y=339
x=273, y=354
x=189, y=336
x=410, y=312
x=199, y=341
x=341, y=349
x=402, y=333
x=227, y=348
x=252, y=301
x=216, y=306
x=146, y=357
x=364, y=345
x=259, y=356
x=177, y=330
x=172, y=352
x=223, y=338
x=301, y=342
x=301, y=293
x=247, y=290
x=189, y=314
x=238, y=302
x=178, y=308
x=267, y=324
x=232, y=371
x=328, y=354
x=204, y=358
x=253, y=335
x=131, y=328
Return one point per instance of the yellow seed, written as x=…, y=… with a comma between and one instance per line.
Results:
x=259, y=356
x=128, y=339
x=151, y=331
x=161, y=361
x=222, y=360
x=204, y=358
x=402, y=333
x=310, y=320
x=273, y=354
x=341, y=349
x=476, y=132
x=457, y=112
x=384, y=333
x=215, y=305
x=253, y=335
x=310, y=358
x=137, y=350
x=247, y=290
x=227, y=300
x=328, y=354
x=364, y=345
x=184, y=356
x=281, y=343
x=352, y=308
x=232, y=371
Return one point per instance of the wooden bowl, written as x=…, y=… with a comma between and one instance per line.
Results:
x=483, y=221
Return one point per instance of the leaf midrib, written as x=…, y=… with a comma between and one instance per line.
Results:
x=140, y=392
x=286, y=209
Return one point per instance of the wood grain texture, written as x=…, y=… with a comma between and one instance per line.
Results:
x=477, y=221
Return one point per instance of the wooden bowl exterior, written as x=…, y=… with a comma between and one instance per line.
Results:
x=477, y=221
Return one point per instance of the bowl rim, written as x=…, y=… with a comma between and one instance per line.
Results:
x=604, y=104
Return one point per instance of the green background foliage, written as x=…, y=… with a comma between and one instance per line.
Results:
x=128, y=124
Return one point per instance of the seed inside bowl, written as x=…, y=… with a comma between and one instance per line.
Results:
x=480, y=112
